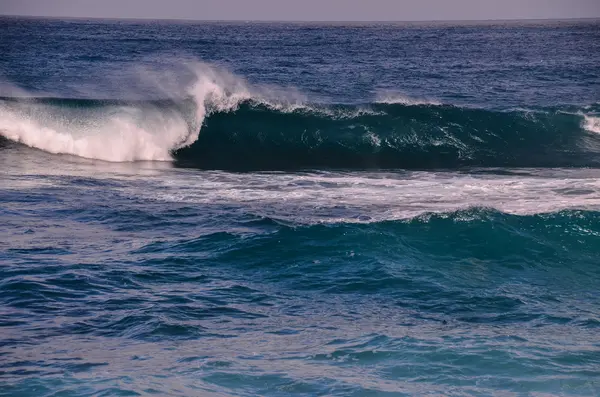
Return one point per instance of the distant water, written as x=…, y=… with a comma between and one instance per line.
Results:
x=199, y=209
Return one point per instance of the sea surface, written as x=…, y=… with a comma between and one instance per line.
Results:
x=299, y=209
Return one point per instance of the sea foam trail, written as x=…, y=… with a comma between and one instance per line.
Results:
x=128, y=132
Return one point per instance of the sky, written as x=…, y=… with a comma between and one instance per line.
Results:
x=307, y=10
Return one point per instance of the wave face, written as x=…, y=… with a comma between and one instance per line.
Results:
x=219, y=121
x=392, y=136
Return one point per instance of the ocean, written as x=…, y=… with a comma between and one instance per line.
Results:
x=315, y=209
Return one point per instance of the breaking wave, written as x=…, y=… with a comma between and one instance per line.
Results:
x=219, y=121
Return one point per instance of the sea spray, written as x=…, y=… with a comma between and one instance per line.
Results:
x=130, y=130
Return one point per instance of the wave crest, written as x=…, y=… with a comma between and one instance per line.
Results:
x=133, y=130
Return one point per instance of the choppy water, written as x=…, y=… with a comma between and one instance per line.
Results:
x=299, y=209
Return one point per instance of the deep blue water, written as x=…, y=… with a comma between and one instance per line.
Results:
x=198, y=209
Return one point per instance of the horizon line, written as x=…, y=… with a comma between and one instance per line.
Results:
x=596, y=18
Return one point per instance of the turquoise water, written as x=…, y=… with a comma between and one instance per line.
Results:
x=198, y=209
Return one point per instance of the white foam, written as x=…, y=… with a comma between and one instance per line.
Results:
x=122, y=136
x=372, y=138
x=591, y=123
x=362, y=197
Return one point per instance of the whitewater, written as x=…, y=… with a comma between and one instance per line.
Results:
x=126, y=133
